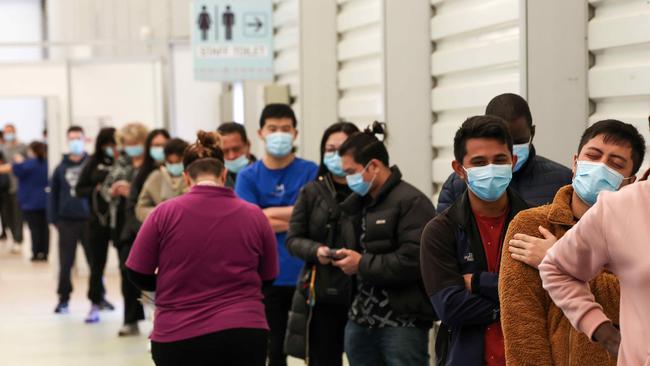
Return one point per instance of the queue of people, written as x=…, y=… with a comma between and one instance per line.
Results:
x=250, y=261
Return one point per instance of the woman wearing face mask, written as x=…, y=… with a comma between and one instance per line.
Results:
x=91, y=179
x=31, y=174
x=321, y=301
x=164, y=183
x=133, y=311
x=115, y=190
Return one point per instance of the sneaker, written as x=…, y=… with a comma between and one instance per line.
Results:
x=93, y=315
x=16, y=249
x=105, y=305
x=62, y=308
x=129, y=330
x=39, y=257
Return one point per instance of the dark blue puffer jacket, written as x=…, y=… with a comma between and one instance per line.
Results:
x=536, y=182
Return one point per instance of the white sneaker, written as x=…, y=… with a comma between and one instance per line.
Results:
x=16, y=248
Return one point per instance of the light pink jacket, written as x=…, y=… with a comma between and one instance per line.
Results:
x=614, y=234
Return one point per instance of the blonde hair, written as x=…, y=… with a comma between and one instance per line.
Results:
x=133, y=131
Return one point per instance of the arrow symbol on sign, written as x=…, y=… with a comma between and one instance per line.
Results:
x=257, y=24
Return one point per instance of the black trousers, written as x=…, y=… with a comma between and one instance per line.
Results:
x=39, y=230
x=133, y=310
x=100, y=236
x=232, y=347
x=14, y=216
x=326, y=335
x=277, y=302
x=70, y=233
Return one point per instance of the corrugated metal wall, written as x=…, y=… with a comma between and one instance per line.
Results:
x=286, y=22
x=619, y=80
x=360, y=56
x=476, y=56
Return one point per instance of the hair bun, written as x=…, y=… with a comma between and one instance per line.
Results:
x=377, y=129
x=208, y=139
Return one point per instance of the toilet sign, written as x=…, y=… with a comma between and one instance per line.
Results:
x=232, y=40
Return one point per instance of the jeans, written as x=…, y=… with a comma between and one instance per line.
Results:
x=70, y=233
x=386, y=346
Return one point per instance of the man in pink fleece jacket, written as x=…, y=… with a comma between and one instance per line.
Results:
x=614, y=234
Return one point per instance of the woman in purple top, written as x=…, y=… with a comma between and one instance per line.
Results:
x=206, y=254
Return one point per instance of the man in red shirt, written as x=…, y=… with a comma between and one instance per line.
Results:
x=461, y=247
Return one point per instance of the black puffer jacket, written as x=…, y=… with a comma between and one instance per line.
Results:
x=315, y=222
x=391, y=248
x=536, y=182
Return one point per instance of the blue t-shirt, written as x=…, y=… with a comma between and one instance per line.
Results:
x=266, y=188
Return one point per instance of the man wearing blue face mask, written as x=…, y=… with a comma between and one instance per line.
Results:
x=273, y=183
x=236, y=149
x=461, y=248
x=535, y=178
x=390, y=316
x=69, y=213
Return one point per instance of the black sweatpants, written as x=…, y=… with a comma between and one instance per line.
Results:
x=133, y=310
x=11, y=211
x=70, y=233
x=277, y=302
x=39, y=230
x=326, y=335
x=232, y=347
x=100, y=236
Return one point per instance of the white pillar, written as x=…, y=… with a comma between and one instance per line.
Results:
x=557, y=63
x=407, y=89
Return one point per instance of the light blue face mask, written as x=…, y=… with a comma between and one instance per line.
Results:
x=110, y=152
x=76, y=146
x=133, y=151
x=332, y=161
x=489, y=182
x=593, y=178
x=157, y=153
x=279, y=144
x=522, y=151
x=235, y=166
x=9, y=137
x=175, y=170
x=357, y=184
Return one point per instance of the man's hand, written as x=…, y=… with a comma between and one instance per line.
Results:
x=468, y=281
x=323, y=255
x=19, y=158
x=609, y=337
x=279, y=218
x=529, y=249
x=350, y=264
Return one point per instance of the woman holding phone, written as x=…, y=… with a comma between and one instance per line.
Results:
x=320, y=305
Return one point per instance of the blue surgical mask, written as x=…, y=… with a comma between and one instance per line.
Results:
x=279, y=144
x=133, y=151
x=593, y=178
x=76, y=146
x=357, y=184
x=9, y=137
x=522, y=151
x=157, y=153
x=489, y=182
x=110, y=152
x=236, y=165
x=175, y=170
x=332, y=161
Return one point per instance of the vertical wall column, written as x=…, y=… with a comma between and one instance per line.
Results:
x=318, y=73
x=557, y=63
x=407, y=87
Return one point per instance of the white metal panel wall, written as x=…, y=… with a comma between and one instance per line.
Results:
x=359, y=24
x=619, y=80
x=286, y=22
x=476, y=57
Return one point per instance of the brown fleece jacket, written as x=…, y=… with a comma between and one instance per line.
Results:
x=535, y=331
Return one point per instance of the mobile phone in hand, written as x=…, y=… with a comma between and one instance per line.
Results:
x=331, y=254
